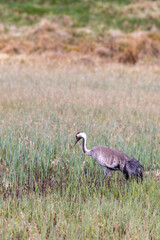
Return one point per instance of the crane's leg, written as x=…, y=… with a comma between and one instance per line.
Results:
x=107, y=173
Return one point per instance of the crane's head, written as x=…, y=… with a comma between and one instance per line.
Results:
x=79, y=135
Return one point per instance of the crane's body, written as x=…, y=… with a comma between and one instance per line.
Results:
x=112, y=159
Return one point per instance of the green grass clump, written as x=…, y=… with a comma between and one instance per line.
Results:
x=49, y=189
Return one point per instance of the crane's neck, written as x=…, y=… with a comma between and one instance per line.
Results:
x=85, y=150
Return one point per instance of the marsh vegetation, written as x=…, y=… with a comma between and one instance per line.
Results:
x=59, y=74
x=49, y=189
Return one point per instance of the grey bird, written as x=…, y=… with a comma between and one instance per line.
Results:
x=112, y=159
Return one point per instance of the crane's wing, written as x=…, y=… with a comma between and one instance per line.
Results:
x=109, y=157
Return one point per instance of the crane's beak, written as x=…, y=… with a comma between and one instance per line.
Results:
x=77, y=139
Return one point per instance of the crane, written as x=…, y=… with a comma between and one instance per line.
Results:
x=112, y=159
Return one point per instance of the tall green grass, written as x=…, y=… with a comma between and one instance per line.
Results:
x=50, y=190
x=32, y=162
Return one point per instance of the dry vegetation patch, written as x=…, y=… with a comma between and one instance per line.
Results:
x=142, y=9
x=52, y=39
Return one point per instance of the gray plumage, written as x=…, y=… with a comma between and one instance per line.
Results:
x=112, y=159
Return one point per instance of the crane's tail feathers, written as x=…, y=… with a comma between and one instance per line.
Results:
x=134, y=169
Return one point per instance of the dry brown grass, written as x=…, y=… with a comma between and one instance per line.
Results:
x=100, y=90
x=142, y=9
x=51, y=39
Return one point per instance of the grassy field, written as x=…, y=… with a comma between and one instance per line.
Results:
x=124, y=31
x=57, y=77
x=126, y=15
x=50, y=190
